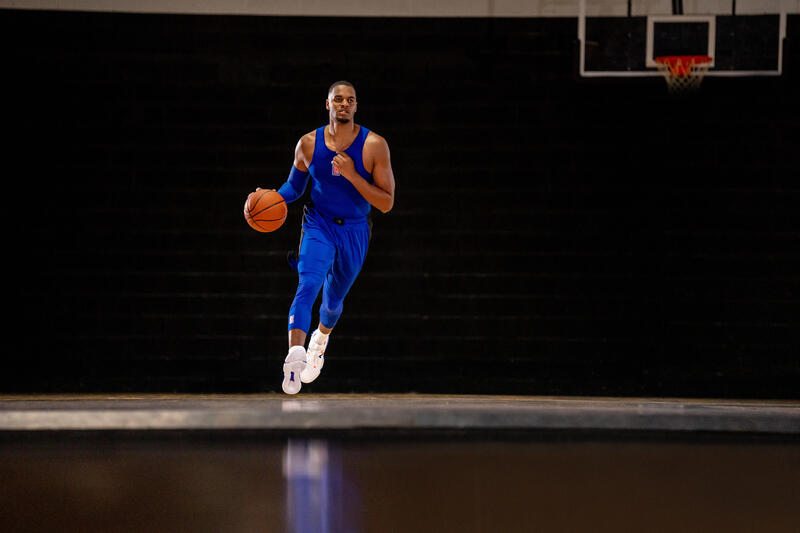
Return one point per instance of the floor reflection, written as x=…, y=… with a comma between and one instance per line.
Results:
x=268, y=484
x=318, y=499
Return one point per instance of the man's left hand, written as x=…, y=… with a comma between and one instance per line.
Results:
x=344, y=163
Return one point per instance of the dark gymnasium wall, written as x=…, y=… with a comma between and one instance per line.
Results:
x=551, y=234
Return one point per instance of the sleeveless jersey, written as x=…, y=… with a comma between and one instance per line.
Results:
x=331, y=193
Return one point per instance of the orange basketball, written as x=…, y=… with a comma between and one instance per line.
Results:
x=265, y=210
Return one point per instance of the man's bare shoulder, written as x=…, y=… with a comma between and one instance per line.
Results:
x=309, y=138
x=306, y=143
x=375, y=141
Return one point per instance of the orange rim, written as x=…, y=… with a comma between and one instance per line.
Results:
x=682, y=65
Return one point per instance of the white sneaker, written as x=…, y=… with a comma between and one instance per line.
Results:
x=293, y=366
x=315, y=357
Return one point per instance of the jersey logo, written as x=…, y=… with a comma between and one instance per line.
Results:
x=334, y=170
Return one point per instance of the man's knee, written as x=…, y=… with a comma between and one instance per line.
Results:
x=309, y=285
x=329, y=313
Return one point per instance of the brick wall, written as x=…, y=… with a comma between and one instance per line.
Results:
x=550, y=235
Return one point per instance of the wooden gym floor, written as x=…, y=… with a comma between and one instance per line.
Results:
x=386, y=463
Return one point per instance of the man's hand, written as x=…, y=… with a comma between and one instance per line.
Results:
x=345, y=165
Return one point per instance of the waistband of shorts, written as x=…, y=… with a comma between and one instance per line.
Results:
x=339, y=221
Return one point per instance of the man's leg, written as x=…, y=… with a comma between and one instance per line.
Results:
x=297, y=337
x=316, y=256
x=351, y=251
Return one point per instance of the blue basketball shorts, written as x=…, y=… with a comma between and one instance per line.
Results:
x=332, y=251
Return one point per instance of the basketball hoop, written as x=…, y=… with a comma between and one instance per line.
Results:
x=683, y=73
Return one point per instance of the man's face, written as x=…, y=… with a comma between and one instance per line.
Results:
x=341, y=104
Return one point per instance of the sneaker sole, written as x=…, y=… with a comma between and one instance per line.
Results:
x=291, y=376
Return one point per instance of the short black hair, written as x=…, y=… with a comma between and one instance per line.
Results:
x=340, y=82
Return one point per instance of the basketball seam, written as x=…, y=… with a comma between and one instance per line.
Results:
x=268, y=207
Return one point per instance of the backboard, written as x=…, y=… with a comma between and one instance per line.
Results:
x=622, y=38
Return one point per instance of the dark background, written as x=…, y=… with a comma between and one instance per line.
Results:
x=551, y=234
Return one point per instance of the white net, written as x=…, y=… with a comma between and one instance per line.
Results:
x=683, y=73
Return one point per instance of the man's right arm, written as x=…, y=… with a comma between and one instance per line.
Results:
x=296, y=184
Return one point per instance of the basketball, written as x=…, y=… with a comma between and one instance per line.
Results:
x=265, y=210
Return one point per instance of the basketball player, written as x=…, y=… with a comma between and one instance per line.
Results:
x=350, y=172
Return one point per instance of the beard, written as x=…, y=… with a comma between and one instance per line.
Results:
x=342, y=120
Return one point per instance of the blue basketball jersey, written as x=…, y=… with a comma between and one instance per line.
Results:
x=331, y=193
